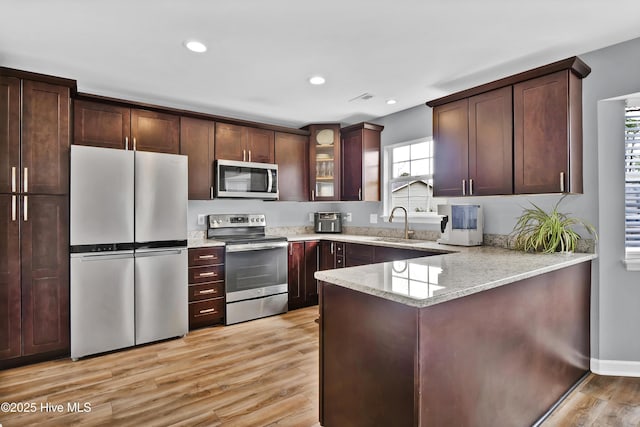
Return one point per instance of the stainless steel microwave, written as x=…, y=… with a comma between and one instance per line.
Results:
x=247, y=180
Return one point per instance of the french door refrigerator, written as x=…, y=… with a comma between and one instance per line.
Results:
x=128, y=248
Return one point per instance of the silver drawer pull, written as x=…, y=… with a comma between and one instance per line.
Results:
x=209, y=274
x=207, y=291
x=207, y=257
x=208, y=310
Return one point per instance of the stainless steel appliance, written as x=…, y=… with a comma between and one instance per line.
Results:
x=327, y=222
x=461, y=224
x=246, y=180
x=255, y=266
x=128, y=248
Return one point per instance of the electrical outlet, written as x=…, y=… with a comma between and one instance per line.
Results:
x=201, y=219
x=373, y=218
x=348, y=217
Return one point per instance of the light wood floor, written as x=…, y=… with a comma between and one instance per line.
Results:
x=260, y=373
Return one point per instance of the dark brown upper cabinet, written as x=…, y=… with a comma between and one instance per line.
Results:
x=324, y=161
x=292, y=158
x=114, y=126
x=244, y=143
x=548, y=134
x=197, y=138
x=521, y=134
x=361, y=162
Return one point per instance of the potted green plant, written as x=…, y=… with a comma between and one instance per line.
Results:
x=539, y=231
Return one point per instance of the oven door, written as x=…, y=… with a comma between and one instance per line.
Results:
x=254, y=270
x=246, y=180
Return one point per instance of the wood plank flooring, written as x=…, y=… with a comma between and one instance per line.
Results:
x=260, y=373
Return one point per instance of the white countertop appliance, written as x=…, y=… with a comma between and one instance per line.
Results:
x=128, y=248
x=461, y=224
x=256, y=273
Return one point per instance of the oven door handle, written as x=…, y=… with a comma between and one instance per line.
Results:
x=245, y=247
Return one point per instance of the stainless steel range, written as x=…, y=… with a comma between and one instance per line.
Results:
x=255, y=266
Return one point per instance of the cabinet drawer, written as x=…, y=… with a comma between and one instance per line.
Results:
x=339, y=249
x=206, y=291
x=339, y=262
x=206, y=256
x=211, y=273
x=205, y=313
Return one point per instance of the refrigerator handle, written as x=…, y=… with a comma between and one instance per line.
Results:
x=126, y=143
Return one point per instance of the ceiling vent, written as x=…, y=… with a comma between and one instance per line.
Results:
x=363, y=97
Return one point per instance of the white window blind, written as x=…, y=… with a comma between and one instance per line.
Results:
x=632, y=180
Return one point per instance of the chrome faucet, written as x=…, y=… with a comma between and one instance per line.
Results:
x=406, y=221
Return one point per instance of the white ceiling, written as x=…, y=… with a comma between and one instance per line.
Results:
x=261, y=52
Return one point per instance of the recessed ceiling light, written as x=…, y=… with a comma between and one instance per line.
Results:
x=317, y=80
x=195, y=46
x=391, y=101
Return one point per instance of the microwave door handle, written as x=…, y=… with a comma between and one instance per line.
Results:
x=270, y=181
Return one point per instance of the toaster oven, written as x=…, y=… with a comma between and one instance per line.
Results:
x=327, y=222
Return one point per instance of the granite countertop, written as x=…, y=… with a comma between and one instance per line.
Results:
x=422, y=282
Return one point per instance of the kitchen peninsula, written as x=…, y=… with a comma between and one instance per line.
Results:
x=483, y=337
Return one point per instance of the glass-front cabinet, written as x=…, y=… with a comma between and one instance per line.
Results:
x=324, y=161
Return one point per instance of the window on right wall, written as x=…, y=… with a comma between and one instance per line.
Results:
x=632, y=181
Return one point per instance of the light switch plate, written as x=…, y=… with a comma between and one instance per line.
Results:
x=201, y=219
x=373, y=218
x=310, y=216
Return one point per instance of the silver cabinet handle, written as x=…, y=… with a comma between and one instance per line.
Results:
x=360, y=193
x=464, y=187
x=244, y=155
x=26, y=180
x=126, y=143
x=207, y=291
x=471, y=187
x=211, y=192
x=313, y=195
x=331, y=248
x=26, y=209
x=291, y=249
x=207, y=257
x=249, y=155
x=134, y=144
x=13, y=179
x=562, y=182
x=208, y=274
x=13, y=207
x=208, y=310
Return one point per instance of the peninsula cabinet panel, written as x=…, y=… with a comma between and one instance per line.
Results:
x=450, y=149
x=292, y=158
x=45, y=274
x=10, y=133
x=548, y=134
x=197, y=143
x=361, y=162
x=45, y=138
x=101, y=125
x=491, y=143
x=153, y=131
x=10, y=322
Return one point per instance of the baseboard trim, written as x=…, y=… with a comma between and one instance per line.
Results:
x=620, y=368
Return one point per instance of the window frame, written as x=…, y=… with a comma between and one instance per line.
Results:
x=420, y=217
x=632, y=253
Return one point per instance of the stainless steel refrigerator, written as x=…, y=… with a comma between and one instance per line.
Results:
x=128, y=248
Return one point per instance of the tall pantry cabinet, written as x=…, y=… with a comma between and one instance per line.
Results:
x=34, y=213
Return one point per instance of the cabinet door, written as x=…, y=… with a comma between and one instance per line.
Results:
x=310, y=267
x=154, y=131
x=260, y=144
x=327, y=255
x=296, y=275
x=101, y=125
x=9, y=134
x=45, y=273
x=231, y=142
x=45, y=138
x=197, y=143
x=357, y=254
x=10, y=322
x=451, y=148
x=541, y=134
x=292, y=157
x=324, y=162
x=352, y=153
x=491, y=143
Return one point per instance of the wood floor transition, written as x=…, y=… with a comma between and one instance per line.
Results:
x=260, y=373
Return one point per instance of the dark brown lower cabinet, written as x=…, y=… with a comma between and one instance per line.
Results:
x=38, y=319
x=206, y=286
x=500, y=357
x=303, y=263
x=330, y=255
